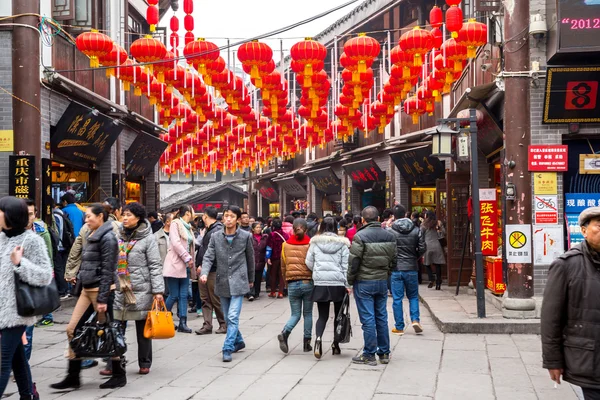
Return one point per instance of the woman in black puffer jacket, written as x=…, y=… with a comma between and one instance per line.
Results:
x=97, y=274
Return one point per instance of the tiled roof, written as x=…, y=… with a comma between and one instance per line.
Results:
x=186, y=196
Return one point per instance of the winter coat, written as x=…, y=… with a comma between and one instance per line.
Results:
x=35, y=269
x=275, y=242
x=328, y=259
x=235, y=262
x=293, y=259
x=410, y=245
x=435, y=251
x=372, y=254
x=350, y=233
x=157, y=226
x=570, y=317
x=99, y=261
x=74, y=259
x=313, y=228
x=76, y=216
x=215, y=227
x=260, y=252
x=179, y=253
x=288, y=228
x=162, y=241
x=145, y=273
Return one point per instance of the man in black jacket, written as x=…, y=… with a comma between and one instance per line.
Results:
x=210, y=301
x=570, y=318
x=410, y=246
x=313, y=224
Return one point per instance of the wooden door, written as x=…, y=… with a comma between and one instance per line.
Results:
x=457, y=189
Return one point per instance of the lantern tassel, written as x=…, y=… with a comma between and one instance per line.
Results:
x=415, y=119
x=471, y=52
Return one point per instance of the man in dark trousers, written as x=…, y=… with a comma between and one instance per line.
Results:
x=210, y=301
x=570, y=317
x=231, y=250
x=372, y=257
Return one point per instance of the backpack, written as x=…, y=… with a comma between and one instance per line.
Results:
x=68, y=234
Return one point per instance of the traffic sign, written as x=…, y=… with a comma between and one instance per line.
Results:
x=546, y=209
x=518, y=249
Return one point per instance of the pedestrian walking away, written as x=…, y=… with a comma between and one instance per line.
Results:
x=24, y=257
x=97, y=274
x=211, y=303
x=434, y=256
x=298, y=281
x=569, y=321
x=372, y=258
x=328, y=259
x=410, y=246
x=260, y=254
x=231, y=250
x=178, y=263
x=139, y=273
x=275, y=242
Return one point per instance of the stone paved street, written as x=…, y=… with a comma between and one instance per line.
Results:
x=431, y=366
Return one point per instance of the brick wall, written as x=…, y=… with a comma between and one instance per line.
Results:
x=5, y=103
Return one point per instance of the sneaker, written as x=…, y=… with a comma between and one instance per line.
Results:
x=239, y=346
x=65, y=296
x=251, y=298
x=227, y=356
x=384, y=358
x=398, y=332
x=44, y=322
x=366, y=360
x=417, y=327
x=221, y=331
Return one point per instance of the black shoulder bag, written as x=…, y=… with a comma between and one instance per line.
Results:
x=96, y=339
x=35, y=300
x=343, y=330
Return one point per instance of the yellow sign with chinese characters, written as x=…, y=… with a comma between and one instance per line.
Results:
x=544, y=183
x=7, y=142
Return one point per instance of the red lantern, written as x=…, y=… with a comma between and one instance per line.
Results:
x=152, y=17
x=159, y=69
x=115, y=57
x=199, y=53
x=436, y=17
x=414, y=107
x=308, y=53
x=94, y=45
x=435, y=83
x=454, y=20
x=255, y=54
x=455, y=52
x=148, y=49
x=361, y=50
x=438, y=38
x=426, y=95
x=417, y=42
x=188, y=20
x=473, y=34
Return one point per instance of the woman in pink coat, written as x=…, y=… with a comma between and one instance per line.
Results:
x=179, y=262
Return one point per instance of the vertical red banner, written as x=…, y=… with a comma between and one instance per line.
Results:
x=488, y=207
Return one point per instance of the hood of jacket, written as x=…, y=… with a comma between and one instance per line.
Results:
x=100, y=232
x=143, y=230
x=216, y=226
x=294, y=241
x=330, y=243
x=403, y=225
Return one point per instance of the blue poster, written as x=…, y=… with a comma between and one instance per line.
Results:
x=575, y=203
x=573, y=230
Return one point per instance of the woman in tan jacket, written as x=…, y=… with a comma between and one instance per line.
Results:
x=298, y=280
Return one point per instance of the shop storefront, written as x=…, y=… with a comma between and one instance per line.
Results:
x=270, y=194
x=369, y=182
x=294, y=195
x=328, y=191
x=140, y=161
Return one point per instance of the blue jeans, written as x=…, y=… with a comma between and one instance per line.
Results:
x=29, y=345
x=178, y=292
x=299, y=294
x=13, y=358
x=408, y=280
x=371, y=300
x=232, y=306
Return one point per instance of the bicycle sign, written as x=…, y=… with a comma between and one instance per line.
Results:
x=546, y=209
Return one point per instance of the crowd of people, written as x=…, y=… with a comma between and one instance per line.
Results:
x=120, y=260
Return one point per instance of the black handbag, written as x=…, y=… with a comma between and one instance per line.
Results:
x=96, y=339
x=35, y=300
x=343, y=330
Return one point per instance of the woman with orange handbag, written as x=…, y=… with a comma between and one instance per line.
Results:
x=139, y=273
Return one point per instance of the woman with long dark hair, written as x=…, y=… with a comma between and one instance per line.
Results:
x=259, y=241
x=178, y=263
x=327, y=258
x=434, y=256
x=25, y=255
x=97, y=275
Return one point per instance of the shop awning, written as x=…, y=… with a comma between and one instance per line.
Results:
x=268, y=191
x=364, y=173
x=143, y=154
x=325, y=180
x=84, y=135
x=417, y=166
x=291, y=186
x=488, y=99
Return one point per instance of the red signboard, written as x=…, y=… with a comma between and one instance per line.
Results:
x=488, y=208
x=200, y=207
x=548, y=157
x=581, y=95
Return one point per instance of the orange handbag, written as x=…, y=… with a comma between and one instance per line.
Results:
x=159, y=322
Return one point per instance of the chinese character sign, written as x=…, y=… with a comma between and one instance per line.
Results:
x=21, y=171
x=548, y=157
x=488, y=209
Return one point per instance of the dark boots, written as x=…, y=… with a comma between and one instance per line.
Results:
x=72, y=380
x=118, y=379
x=183, y=326
x=283, y=341
x=335, y=349
x=307, y=346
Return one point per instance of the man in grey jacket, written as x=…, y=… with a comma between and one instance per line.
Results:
x=410, y=246
x=233, y=253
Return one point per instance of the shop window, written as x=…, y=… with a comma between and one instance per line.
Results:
x=134, y=31
x=65, y=179
x=134, y=192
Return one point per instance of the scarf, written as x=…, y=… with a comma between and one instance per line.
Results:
x=190, y=236
x=123, y=270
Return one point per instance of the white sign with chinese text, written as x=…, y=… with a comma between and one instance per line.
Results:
x=548, y=243
x=518, y=244
x=487, y=194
